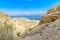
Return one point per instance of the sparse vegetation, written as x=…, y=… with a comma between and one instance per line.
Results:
x=6, y=32
x=18, y=34
x=30, y=29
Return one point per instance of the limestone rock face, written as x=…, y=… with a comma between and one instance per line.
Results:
x=51, y=16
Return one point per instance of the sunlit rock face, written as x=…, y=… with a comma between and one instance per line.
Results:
x=52, y=15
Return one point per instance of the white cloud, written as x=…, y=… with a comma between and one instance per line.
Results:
x=24, y=13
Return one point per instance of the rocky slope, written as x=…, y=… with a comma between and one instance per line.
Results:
x=51, y=16
x=48, y=31
x=54, y=9
x=48, y=28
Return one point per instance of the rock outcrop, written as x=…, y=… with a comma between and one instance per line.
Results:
x=51, y=16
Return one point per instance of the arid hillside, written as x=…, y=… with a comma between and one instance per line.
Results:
x=52, y=15
x=48, y=28
x=48, y=31
x=25, y=29
x=11, y=28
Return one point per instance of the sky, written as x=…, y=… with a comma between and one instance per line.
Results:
x=26, y=7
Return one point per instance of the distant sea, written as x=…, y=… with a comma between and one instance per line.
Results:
x=29, y=17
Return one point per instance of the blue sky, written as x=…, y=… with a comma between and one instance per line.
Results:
x=26, y=7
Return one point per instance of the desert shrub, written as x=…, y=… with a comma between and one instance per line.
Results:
x=18, y=34
x=30, y=29
x=50, y=20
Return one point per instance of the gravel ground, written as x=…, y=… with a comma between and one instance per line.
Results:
x=49, y=31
